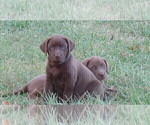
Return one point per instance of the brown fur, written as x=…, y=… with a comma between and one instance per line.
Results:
x=66, y=76
x=34, y=87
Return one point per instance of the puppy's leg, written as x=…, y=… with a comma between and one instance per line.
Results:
x=33, y=94
x=96, y=88
x=68, y=92
x=110, y=91
x=48, y=89
x=24, y=89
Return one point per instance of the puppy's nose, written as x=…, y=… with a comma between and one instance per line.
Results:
x=101, y=75
x=57, y=56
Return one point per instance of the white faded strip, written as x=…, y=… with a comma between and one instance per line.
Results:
x=74, y=10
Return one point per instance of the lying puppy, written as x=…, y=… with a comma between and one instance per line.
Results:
x=99, y=67
x=66, y=76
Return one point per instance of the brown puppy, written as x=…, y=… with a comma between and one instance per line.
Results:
x=66, y=76
x=35, y=87
x=96, y=64
x=99, y=67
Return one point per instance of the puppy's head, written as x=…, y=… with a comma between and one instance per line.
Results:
x=98, y=66
x=58, y=48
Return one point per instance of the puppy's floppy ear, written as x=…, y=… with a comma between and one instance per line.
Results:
x=71, y=45
x=44, y=45
x=106, y=66
x=86, y=62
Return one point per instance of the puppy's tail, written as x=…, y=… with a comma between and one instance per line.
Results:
x=24, y=89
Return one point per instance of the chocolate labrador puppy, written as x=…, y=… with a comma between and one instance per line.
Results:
x=99, y=67
x=66, y=76
x=96, y=64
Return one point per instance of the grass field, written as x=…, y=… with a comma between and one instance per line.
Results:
x=124, y=44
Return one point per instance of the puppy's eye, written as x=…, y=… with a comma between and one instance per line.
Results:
x=102, y=65
x=63, y=47
x=93, y=68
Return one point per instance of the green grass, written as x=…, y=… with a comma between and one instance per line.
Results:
x=127, y=53
x=75, y=10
